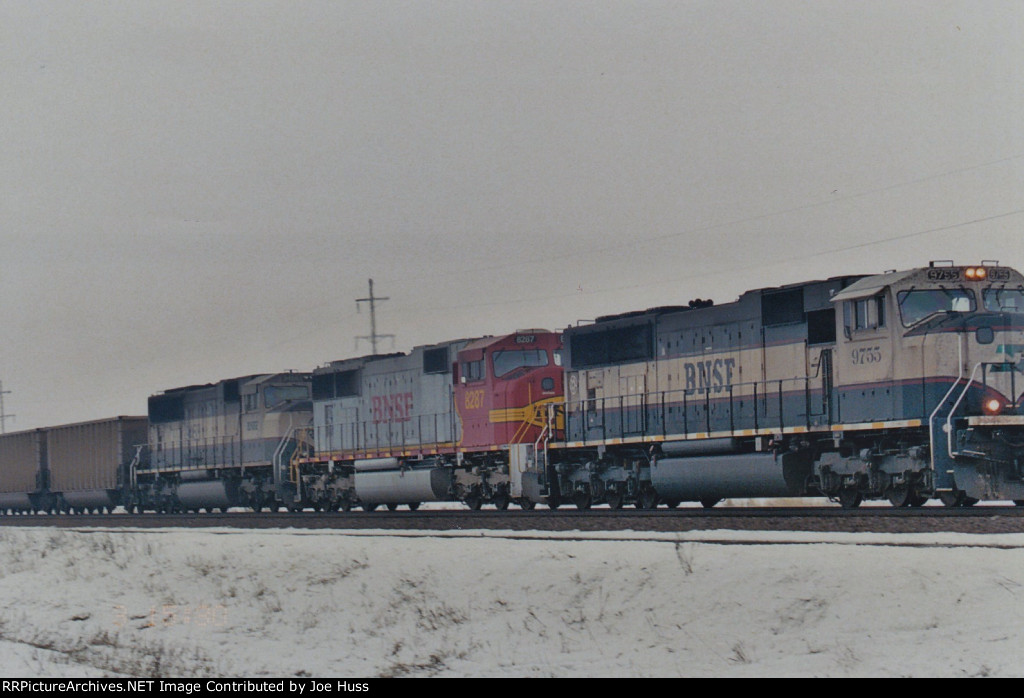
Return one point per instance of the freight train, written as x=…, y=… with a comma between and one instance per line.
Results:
x=899, y=386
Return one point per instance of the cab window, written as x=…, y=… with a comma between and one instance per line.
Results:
x=1004, y=300
x=917, y=305
x=473, y=370
x=505, y=362
x=864, y=314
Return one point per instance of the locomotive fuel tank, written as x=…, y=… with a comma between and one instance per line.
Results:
x=403, y=487
x=731, y=476
x=210, y=494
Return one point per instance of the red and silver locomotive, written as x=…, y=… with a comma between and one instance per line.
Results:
x=441, y=423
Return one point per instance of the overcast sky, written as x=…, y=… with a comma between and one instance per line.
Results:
x=200, y=190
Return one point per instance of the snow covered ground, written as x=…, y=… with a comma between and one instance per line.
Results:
x=218, y=602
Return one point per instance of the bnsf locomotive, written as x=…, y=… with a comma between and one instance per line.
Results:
x=903, y=386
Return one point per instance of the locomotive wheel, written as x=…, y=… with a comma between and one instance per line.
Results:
x=849, y=498
x=367, y=506
x=673, y=503
x=413, y=506
x=345, y=504
x=614, y=499
x=919, y=500
x=952, y=499
x=530, y=505
x=1018, y=502
x=647, y=499
x=898, y=496
x=474, y=501
x=581, y=499
x=554, y=501
x=970, y=501
x=709, y=502
x=501, y=501
x=391, y=506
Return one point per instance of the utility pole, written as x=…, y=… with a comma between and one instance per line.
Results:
x=3, y=415
x=372, y=300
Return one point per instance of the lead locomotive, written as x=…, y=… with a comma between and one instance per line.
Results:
x=904, y=385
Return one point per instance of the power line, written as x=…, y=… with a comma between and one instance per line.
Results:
x=576, y=254
x=373, y=336
x=759, y=264
x=3, y=415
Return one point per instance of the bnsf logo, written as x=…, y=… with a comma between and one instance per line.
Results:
x=392, y=408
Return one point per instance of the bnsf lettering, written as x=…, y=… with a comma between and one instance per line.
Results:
x=392, y=408
x=712, y=375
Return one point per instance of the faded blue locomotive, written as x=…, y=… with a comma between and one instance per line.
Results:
x=902, y=385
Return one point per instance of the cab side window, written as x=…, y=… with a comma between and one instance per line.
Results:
x=473, y=370
x=864, y=314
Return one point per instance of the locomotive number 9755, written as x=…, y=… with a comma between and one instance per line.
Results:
x=867, y=355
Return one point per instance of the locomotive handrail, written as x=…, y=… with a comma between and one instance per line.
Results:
x=949, y=417
x=134, y=465
x=385, y=435
x=545, y=432
x=279, y=451
x=740, y=407
x=931, y=418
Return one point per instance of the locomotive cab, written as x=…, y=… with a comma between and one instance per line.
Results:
x=928, y=386
x=503, y=387
x=506, y=389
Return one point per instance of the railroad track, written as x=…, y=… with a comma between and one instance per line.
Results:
x=986, y=519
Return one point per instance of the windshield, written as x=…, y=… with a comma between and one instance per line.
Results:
x=1005, y=300
x=507, y=361
x=917, y=305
